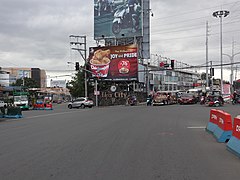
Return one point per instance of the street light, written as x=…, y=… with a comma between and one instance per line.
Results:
x=232, y=61
x=221, y=14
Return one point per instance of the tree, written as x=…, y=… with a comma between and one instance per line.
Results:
x=76, y=86
x=28, y=82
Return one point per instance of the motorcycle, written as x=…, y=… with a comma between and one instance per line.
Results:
x=132, y=101
x=149, y=101
x=122, y=19
x=202, y=100
x=214, y=101
x=236, y=101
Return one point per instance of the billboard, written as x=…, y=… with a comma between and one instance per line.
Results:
x=117, y=18
x=114, y=62
x=24, y=74
x=58, y=83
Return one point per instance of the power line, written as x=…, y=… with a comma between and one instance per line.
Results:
x=194, y=11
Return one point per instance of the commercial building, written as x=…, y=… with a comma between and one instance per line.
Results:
x=10, y=75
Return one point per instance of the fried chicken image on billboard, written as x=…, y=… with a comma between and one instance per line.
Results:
x=100, y=57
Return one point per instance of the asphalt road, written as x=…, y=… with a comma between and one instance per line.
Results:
x=115, y=143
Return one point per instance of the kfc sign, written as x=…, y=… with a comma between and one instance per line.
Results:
x=114, y=62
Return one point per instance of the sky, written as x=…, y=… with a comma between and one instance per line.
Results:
x=36, y=33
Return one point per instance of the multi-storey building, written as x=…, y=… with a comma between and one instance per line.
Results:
x=167, y=78
x=10, y=75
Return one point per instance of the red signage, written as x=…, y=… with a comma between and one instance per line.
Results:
x=114, y=62
x=162, y=64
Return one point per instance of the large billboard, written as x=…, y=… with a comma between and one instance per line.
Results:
x=117, y=18
x=114, y=62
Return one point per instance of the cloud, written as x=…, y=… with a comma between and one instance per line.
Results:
x=36, y=33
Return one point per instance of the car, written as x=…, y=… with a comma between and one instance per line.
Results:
x=3, y=104
x=160, y=98
x=81, y=102
x=187, y=98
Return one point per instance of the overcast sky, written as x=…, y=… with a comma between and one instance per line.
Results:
x=35, y=33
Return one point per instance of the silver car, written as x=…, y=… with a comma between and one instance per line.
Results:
x=81, y=102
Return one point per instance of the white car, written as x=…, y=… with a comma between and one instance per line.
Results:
x=81, y=102
x=3, y=104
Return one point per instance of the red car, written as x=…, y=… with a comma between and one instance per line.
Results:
x=187, y=98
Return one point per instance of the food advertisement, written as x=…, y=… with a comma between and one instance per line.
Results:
x=114, y=62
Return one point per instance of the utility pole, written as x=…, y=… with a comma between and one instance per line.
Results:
x=147, y=78
x=76, y=43
x=207, y=55
x=232, y=61
x=211, y=75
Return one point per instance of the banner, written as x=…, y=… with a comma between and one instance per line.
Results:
x=117, y=19
x=114, y=62
x=58, y=83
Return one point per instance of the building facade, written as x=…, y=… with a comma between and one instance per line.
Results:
x=10, y=75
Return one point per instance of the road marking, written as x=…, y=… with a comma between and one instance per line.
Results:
x=45, y=115
x=197, y=127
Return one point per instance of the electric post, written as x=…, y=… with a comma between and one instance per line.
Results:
x=207, y=56
x=77, y=42
x=232, y=62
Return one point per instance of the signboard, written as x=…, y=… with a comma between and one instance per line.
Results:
x=114, y=62
x=58, y=83
x=226, y=89
x=24, y=74
x=117, y=18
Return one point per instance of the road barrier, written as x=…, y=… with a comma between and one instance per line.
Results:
x=233, y=144
x=38, y=106
x=220, y=125
x=213, y=121
x=224, y=130
x=13, y=112
x=48, y=106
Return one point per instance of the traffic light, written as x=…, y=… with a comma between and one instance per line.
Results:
x=211, y=71
x=172, y=64
x=77, y=66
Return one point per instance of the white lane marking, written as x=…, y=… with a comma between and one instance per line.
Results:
x=45, y=115
x=197, y=127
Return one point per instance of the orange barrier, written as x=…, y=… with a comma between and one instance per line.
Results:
x=213, y=121
x=48, y=106
x=38, y=106
x=234, y=143
x=223, y=132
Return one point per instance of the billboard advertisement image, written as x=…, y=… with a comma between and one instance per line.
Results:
x=114, y=62
x=117, y=18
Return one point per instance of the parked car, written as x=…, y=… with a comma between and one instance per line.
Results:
x=3, y=104
x=160, y=98
x=187, y=98
x=81, y=102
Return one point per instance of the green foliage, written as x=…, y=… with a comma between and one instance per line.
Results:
x=28, y=82
x=76, y=86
